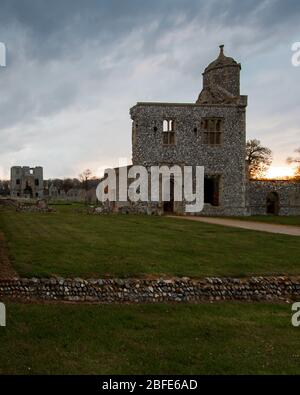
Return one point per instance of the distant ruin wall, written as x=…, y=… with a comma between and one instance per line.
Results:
x=288, y=196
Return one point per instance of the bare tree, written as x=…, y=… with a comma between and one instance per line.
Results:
x=67, y=184
x=84, y=178
x=295, y=160
x=258, y=158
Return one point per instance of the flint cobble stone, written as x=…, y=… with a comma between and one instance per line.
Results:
x=152, y=291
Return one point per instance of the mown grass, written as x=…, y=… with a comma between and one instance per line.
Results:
x=150, y=339
x=70, y=244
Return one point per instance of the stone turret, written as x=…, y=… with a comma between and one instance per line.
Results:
x=221, y=81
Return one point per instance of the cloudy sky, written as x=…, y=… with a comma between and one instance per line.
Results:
x=75, y=67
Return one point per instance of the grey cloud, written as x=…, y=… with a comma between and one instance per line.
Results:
x=75, y=56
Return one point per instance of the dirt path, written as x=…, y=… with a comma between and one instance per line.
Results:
x=6, y=270
x=258, y=226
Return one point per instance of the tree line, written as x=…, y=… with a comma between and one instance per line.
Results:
x=258, y=159
x=85, y=181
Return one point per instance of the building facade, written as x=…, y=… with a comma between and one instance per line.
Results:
x=209, y=133
x=26, y=182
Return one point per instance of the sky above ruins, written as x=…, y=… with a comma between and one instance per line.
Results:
x=74, y=68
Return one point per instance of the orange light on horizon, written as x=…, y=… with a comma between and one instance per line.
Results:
x=280, y=172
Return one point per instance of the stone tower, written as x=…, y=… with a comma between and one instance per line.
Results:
x=209, y=133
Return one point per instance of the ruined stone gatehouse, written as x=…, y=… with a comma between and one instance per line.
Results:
x=209, y=133
x=212, y=133
x=26, y=182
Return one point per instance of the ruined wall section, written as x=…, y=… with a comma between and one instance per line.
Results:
x=288, y=194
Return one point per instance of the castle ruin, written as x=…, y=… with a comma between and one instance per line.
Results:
x=26, y=182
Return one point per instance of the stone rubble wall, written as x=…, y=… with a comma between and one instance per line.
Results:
x=143, y=208
x=34, y=209
x=288, y=192
x=10, y=203
x=152, y=291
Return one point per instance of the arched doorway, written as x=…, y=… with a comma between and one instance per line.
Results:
x=273, y=203
x=28, y=191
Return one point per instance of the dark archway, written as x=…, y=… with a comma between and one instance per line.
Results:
x=169, y=205
x=273, y=203
x=28, y=191
x=212, y=190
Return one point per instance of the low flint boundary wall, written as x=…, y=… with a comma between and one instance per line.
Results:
x=152, y=291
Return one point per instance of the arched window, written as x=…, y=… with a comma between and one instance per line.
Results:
x=169, y=132
x=166, y=126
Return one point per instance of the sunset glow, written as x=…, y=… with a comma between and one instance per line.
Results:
x=282, y=172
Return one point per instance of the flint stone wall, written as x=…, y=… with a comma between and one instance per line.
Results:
x=226, y=160
x=288, y=193
x=152, y=291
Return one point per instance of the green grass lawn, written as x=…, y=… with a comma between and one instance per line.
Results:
x=274, y=219
x=71, y=244
x=151, y=339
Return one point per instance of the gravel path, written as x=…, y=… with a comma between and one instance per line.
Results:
x=258, y=226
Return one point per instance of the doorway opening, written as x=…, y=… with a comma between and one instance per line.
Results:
x=273, y=203
x=169, y=205
x=212, y=190
x=28, y=191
